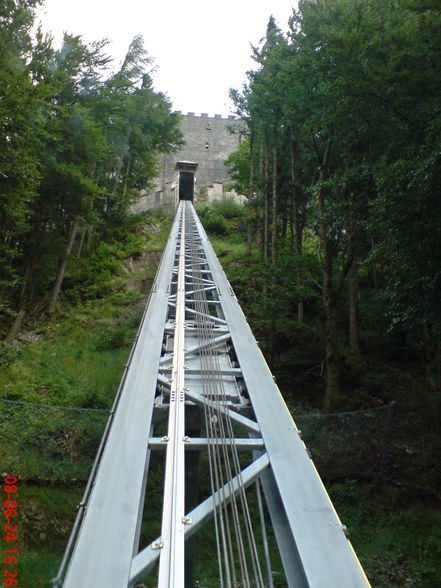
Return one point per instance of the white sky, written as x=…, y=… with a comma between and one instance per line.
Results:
x=201, y=49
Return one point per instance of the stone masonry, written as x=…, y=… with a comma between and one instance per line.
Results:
x=208, y=142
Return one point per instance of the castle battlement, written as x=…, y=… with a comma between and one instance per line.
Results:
x=205, y=115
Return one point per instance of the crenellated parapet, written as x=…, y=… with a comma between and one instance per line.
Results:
x=205, y=115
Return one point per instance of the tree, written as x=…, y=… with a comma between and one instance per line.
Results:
x=78, y=148
x=20, y=136
x=350, y=104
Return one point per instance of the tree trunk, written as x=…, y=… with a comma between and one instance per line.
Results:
x=266, y=222
x=260, y=208
x=250, y=197
x=432, y=358
x=89, y=238
x=374, y=269
x=300, y=303
x=272, y=341
x=275, y=219
x=331, y=287
x=292, y=228
x=329, y=297
x=284, y=228
x=332, y=351
x=354, y=343
x=62, y=268
x=80, y=246
x=18, y=321
x=266, y=209
x=16, y=325
x=272, y=323
x=29, y=269
x=123, y=201
x=298, y=226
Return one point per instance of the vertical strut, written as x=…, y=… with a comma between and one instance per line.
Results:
x=171, y=561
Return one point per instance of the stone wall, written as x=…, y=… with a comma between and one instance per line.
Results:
x=208, y=142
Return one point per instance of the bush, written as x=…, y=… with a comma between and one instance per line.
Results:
x=229, y=209
x=213, y=221
x=111, y=339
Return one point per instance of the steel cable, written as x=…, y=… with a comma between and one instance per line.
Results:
x=224, y=460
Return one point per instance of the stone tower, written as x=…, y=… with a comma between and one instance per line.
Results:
x=208, y=142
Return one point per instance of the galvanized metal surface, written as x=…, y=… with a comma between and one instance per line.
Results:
x=146, y=559
x=171, y=563
x=167, y=373
x=104, y=548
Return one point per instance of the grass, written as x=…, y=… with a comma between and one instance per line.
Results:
x=46, y=517
x=81, y=357
x=396, y=537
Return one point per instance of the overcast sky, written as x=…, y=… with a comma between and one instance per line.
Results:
x=201, y=48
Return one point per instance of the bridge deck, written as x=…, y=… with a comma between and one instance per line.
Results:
x=196, y=364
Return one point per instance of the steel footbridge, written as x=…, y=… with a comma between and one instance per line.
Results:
x=197, y=389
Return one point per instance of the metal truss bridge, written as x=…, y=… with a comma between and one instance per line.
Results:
x=197, y=388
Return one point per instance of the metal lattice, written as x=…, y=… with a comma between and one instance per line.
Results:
x=196, y=370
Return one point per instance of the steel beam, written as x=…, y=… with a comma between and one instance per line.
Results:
x=144, y=562
x=201, y=443
x=241, y=420
x=103, y=551
x=172, y=560
x=314, y=549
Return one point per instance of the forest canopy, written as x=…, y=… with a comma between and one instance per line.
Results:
x=78, y=142
x=344, y=154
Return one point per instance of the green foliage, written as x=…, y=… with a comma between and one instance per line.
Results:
x=213, y=220
x=78, y=147
x=224, y=217
x=99, y=270
x=238, y=164
x=343, y=117
x=8, y=354
x=229, y=208
x=396, y=541
x=112, y=339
